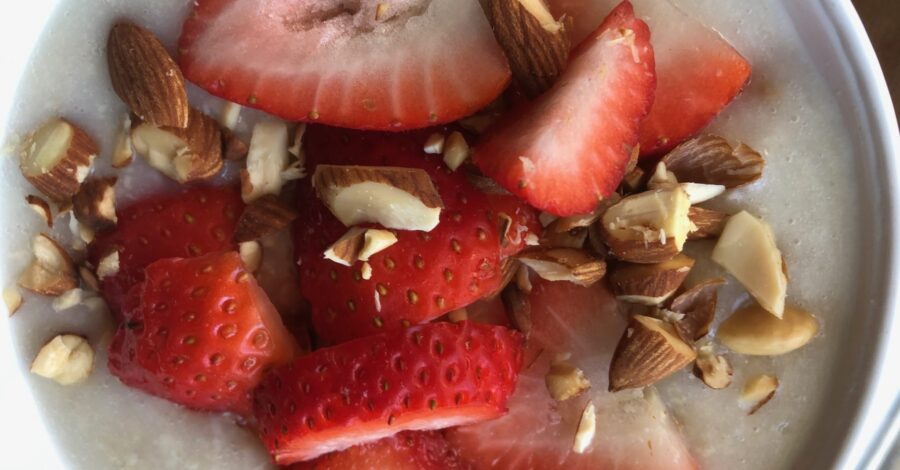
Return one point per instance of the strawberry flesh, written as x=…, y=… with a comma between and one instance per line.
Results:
x=568, y=149
x=414, y=64
x=423, y=275
x=192, y=222
x=411, y=450
x=199, y=332
x=422, y=378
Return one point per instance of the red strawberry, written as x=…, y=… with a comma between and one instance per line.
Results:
x=569, y=148
x=409, y=450
x=189, y=223
x=697, y=71
x=634, y=430
x=425, y=377
x=348, y=64
x=423, y=275
x=199, y=332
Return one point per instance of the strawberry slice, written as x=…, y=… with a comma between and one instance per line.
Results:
x=409, y=450
x=199, y=332
x=634, y=430
x=365, y=64
x=697, y=71
x=192, y=222
x=422, y=378
x=423, y=275
x=569, y=148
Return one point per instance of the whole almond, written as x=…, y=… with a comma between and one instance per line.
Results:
x=145, y=76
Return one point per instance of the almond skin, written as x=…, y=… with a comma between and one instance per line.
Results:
x=698, y=304
x=145, y=77
x=262, y=217
x=710, y=159
x=709, y=223
x=56, y=158
x=95, y=203
x=649, y=351
x=536, y=55
x=649, y=284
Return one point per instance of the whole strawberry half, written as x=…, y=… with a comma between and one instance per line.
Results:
x=199, y=332
x=424, y=274
x=425, y=377
x=568, y=149
x=697, y=71
x=634, y=430
x=192, y=222
x=410, y=450
x=365, y=64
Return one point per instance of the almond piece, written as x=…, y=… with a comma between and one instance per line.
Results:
x=710, y=159
x=518, y=307
x=648, y=227
x=346, y=249
x=485, y=184
x=699, y=192
x=434, y=144
x=747, y=250
x=375, y=241
x=262, y=217
x=587, y=428
x=41, y=207
x=753, y=331
x=633, y=181
x=698, y=305
x=707, y=223
x=229, y=115
x=757, y=392
x=397, y=198
x=108, y=266
x=523, y=279
x=52, y=271
x=535, y=44
x=95, y=204
x=145, y=77
x=56, y=158
x=251, y=254
x=89, y=279
x=66, y=359
x=122, y=148
x=267, y=158
x=183, y=154
x=67, y=300
x=565, y=381
x=564, y=264
x=649, y=351
x=456, y=150
x=458, y=315
x=365, y=271
x=13, y=299
x=649, y=284
x=713, y=369
x=573, y=238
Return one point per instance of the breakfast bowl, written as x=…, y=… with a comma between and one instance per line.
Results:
x=816, y=108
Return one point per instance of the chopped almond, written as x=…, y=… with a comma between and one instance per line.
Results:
x=251, y=254
x=56, y=158
x=52, y=271
x=346, y=249
x=375, y=241
x=108, y=266
x=698, y=306
x=456, y=150
x=229, y=115
x=564, y=264
x=747, y=250
x=587, y=428
x=95, y=204
x=41, y=207
x=706, y=223
x=649, y=227
x=649, y=284
x=397, y=198
x=233, y=147
x=710, y=159
x=267, y=158
x=13, y=299
x=184, y=154
x=365, y=271
x=66, y=359
x=264, y=216
x=649, y=351
x=434, y=144
x=123, y=153
x=565, y=381
x=713, y=369
x=757, y=392
x=67, y=300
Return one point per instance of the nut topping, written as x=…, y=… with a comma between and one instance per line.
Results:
x=649, y=351
x=757, y=392
x=649, y=284
x=564, y=264
x=698, y=307
x=398, y=198
x=145, y=77
x=13, y=299
x=251, y=254
x=186, y=154
x=41, y=207
x=713, y=369
x=707, y=223
x=56, y=158
x=710, y=159
x=262, y=217
x=52, y=271
x=565, y=381
x=122, y=153
x=753, y=331
x=649, y=227
x=95, y=204
x=66, y=359
x=108, y=266
x=456, y=150
x=747, y=250
x=267, y=159
x=587, y=427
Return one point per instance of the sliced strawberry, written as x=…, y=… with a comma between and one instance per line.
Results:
x=697, y=71
x=569, y=148
x=423, y=275
x=199, y=332
x=411, y=450
x=357, y=64
x=189, y=223
x=422, y=378
x=634, y=430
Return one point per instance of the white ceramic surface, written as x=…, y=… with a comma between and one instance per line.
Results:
x=859, y=425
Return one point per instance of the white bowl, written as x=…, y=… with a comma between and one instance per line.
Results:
x=858, y=422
